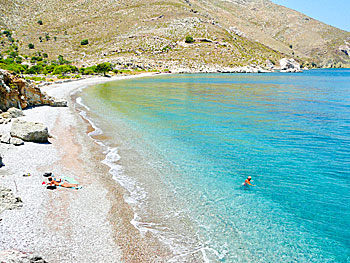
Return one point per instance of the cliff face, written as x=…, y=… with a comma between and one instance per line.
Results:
x=152, y=32
x=19, y=93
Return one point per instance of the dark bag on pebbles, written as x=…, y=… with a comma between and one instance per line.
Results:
x=51, y=187
x=47, y=174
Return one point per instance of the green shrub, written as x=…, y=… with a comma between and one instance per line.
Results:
x=45, y=55
x=31, y=46
x=7, y=33
x=13, y=54
x=40, y=22
x=62, y=61
x=189, y=39
x=84, y=42
x=36, y=69
x=17, y=68
x=47, y=37
x=50, y=68
x=9, y=61
x=18, y=60
x=88, y=71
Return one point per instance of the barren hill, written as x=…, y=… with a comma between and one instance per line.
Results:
x=152, y=32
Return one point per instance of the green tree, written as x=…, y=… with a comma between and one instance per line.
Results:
x=104, y=67
x=40, y=22
x=31, y=46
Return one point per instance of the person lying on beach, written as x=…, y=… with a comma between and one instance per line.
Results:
x=58, y=182
x=247, y=181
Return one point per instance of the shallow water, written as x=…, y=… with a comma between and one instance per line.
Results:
x=183, y=144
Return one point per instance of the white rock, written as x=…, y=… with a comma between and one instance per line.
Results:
x=289, y=65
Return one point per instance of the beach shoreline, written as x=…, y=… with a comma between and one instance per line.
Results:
x=91, y=224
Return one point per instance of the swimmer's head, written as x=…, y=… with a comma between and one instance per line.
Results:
x=249, y=177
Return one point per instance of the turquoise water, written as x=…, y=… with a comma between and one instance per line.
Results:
x=182, y=145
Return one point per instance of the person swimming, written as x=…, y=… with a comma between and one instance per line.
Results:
x=247, y=181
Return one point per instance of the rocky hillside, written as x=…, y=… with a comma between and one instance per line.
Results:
x=152, y=32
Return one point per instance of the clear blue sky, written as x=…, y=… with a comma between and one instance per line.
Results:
x=332, y=12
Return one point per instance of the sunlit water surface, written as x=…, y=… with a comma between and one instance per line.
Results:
x=183, y=144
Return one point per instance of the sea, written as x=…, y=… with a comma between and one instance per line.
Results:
x=182, y=145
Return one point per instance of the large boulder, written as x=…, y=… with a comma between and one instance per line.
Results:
x=29, y=131
x=289, y=65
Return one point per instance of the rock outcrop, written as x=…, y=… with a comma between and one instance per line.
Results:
x=289, y=65
x=29, y=131
x=19, y=93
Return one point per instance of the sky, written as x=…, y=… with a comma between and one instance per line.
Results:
x=332, y=12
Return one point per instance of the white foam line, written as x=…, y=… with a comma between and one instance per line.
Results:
x=137, y=194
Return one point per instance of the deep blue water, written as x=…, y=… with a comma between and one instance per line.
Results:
x=188, y=142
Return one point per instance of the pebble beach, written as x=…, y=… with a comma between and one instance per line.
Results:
x=91, y=224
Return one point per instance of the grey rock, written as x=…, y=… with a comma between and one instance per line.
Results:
x=15, y=113
x=289, y=65
x=59, y=103
x=16, y=141
x=29, y=131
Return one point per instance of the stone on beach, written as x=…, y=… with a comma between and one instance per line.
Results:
x=58, y=103
x=29, y=131
x=16, y=141
x=5, y=137
x=8, y=200
x=16, y=256
x=15, y=113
